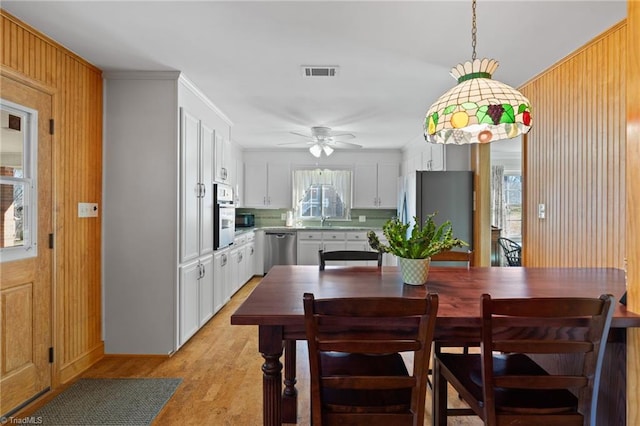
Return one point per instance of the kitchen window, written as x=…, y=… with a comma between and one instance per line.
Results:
x=322, y=194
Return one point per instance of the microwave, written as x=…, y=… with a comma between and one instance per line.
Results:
x=245, y=220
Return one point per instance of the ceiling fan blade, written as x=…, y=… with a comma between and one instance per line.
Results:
x=299, y=143
x=302, y=134
x=343, y=136
x=339, y=144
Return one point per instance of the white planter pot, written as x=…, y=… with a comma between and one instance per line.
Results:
x=414, y=271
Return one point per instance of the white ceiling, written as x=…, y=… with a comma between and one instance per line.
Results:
x=394, y=56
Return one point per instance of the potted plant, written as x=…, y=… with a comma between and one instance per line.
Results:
x=414, y=248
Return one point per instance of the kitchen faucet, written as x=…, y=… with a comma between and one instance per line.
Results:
x=323, y=219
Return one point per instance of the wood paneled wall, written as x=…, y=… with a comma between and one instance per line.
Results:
x=574, y=158
x=77, y=91
x=633, y=206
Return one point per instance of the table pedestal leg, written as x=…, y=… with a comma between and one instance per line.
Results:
x=270, y=346
x=290, y=395
x=272, y=387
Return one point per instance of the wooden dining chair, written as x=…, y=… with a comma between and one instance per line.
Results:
x=349, y=255
x=358, y=376
x=465, y=257
x=452, y=258
x=503, y=386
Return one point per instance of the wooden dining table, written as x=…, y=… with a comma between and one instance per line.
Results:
x=275, y=306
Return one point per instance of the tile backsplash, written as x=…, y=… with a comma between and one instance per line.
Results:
x=374, y=218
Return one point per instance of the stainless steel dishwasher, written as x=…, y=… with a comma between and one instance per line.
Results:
x=280, y=249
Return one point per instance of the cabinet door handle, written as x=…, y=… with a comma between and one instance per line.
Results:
x=204, y=190
x=204, y=271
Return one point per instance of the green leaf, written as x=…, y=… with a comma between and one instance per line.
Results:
x=482, y=115
x=522, y=108
x=469, y=105
x=449, y=109
x=507, y=115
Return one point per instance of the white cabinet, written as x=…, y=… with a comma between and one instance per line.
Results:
x=309, y=243
x=158, y=211
x=435, y=160
x=188, y=299
x=195, y=296
x=376, y=185
x=233, y=267
x=428, y=156
x=196, y=187
x=267, y=185
x=221, y=279
x=223, y=159
x=206, y=290
x=250, y=257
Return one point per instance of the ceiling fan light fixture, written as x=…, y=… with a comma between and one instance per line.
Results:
x=478, y=109
x=327, y=150
x=315, y=150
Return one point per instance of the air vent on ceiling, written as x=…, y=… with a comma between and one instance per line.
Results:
x=319, y=71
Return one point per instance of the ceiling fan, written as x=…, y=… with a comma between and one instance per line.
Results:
x=322, y=139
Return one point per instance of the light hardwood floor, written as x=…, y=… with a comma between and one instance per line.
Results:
x=221, y=376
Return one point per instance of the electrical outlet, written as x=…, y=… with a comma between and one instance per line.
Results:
x=283, y=216
x=87, y=209
x=362, y=218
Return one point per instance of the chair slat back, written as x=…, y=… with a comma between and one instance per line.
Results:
x=365, y=327
x=454, y=256
x=348, y=256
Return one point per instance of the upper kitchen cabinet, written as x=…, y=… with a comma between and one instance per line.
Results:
x=376, y=185
x=224, y=160
x=159, y=147
x=267, y=185
x=425, y=156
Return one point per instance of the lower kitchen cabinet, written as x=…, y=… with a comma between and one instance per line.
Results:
x=206, y=290
x=309, y=242
x=221, y=279
x=195, y=296
x=232, y=268
x=308, y=245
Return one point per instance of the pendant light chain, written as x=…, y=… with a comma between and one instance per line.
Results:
x=473, y=30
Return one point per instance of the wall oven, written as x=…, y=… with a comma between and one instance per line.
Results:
x=224, y=216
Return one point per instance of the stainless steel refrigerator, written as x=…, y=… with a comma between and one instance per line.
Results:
x=450, y=193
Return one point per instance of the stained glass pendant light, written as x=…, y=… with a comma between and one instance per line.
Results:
x=478, y=109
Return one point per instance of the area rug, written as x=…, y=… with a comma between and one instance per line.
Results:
x=103, y=402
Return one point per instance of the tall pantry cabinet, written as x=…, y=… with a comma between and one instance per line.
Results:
x=158, y=211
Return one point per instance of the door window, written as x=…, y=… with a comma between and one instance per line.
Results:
x=18, y=209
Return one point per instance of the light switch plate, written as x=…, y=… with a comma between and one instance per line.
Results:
x=87, y=209
x=541, y=211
